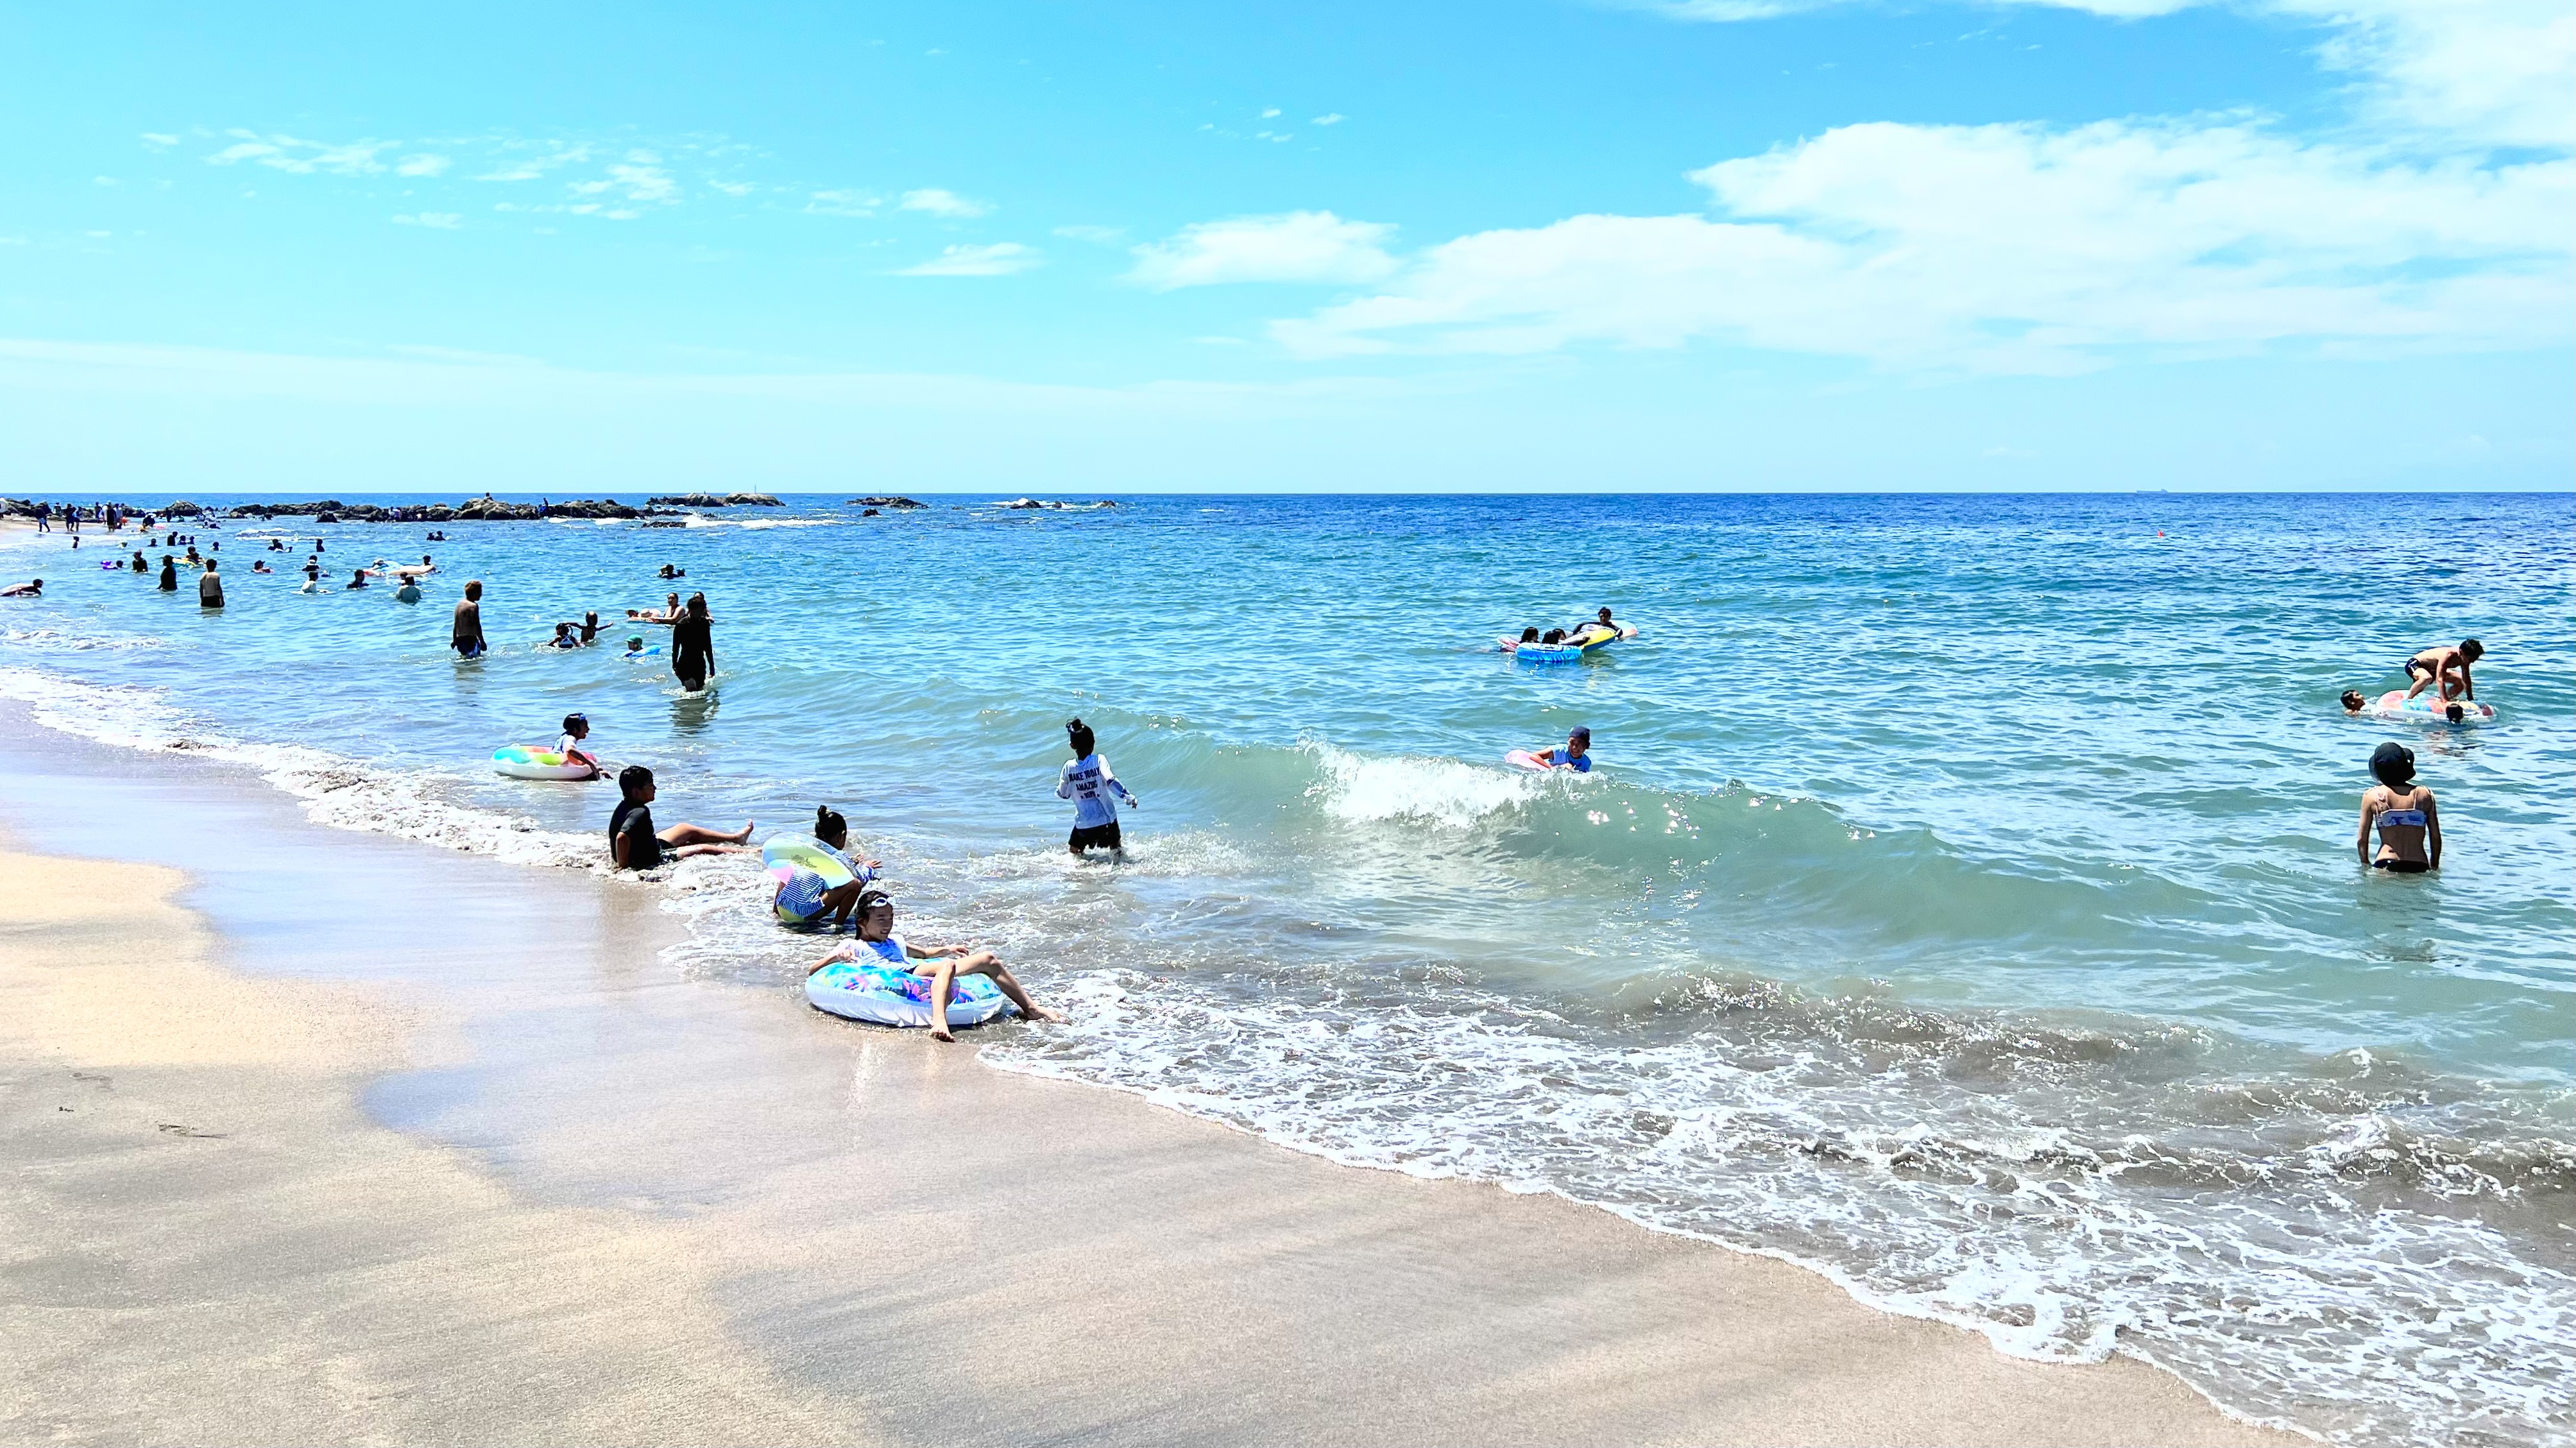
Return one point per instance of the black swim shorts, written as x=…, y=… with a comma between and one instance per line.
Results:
x=1095, y=837
x=2417, y=666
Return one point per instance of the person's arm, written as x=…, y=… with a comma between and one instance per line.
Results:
x=617, y=848
x=2369, y=812
x=2468, y=686
x=2432, y=832
x=846, y=951
x=1064, y=781
x=1114, y=786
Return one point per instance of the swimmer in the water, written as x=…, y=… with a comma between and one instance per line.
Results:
x=1575, y=755
x=590, y=628
x=2353, y=702
x=2410, y=827
x=32, y=588
x=669, y=613
x=564, y=637
x=358, y=579
x=635, y=648
x=879, y=945
x=670, y=572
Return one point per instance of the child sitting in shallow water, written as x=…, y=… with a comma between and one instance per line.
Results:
x=879, y=945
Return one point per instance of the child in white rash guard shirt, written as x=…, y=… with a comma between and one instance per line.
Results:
x=1086, y=781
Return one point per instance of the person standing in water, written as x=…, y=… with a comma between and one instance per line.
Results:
x=169, y=574
x=693, y=645
x=210, y=587
x=2409, y=824
x=467, y=636
x=1095, y=793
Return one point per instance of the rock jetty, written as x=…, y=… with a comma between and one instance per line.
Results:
x=711, y=500
x=886, y=502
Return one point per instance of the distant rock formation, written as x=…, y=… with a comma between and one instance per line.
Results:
x=710, y=500
x=886, y=502
x=1055, y=507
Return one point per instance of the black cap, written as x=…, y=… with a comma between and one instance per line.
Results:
x=2392, y=764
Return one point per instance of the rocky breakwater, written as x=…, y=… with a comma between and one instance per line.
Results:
x=890, y=501
x=712, y=500
x=487, y=509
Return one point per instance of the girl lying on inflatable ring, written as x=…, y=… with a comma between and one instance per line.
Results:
x=878, y=945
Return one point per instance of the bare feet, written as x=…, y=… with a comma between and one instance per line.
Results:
x=939, y=1032
x=1043, y=1014
x=738, y=836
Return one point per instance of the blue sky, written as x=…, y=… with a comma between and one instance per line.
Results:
x=1742, y=244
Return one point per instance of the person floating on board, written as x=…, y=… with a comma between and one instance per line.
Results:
x=32, y=588
x=2446, y=667
x=634, y=844
x=879, y=945
x=2410, y=827
x=1576, y=755
x=1095, y=792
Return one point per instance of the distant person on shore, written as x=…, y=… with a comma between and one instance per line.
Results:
x=802, y=896
x=169, y=574
x=467, y=635
x=879, y=945
x=693, y=645
x=1095, y=792
x=2447, y=668
x=635, y=845
x=1575, y=755
x=576, y=728
x=32, y=588
x=210, y=587
x=44, y=518
x=2410, y=827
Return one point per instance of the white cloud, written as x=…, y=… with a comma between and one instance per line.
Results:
x=632, y=182
x=105, y=181
x=733, y=188
x=2489, y=70
x=1300, y=246
x=1096, y=235
x=1270, y=114
x=2015, y=248
x=286, y=153
x=1001, y=259
x=159, y=140
x=1333, y=118
x=534, y=160
x=421, y=165
x=841, y=203
x=944, y=203
x=435, y=220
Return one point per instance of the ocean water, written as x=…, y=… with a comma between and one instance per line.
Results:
x=1965, y=904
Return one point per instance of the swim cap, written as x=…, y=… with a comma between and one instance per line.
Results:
x=2392, y=764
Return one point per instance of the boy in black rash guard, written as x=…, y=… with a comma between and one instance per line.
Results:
x=635, y=845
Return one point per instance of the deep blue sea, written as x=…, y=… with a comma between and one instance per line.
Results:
x=1965, y=903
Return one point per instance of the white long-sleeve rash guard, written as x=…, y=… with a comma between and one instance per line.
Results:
x=1089, y=784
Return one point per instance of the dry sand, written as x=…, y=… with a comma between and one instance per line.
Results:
x=206, y=1239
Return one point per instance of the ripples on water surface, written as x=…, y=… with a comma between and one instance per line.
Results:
x=1966, y=905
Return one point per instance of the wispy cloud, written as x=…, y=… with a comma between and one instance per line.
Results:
x=936, y=202
x=1096, y=235
x=421, y=165
x=1332, y=118
x=301, y=157
x=435, y=220
x=1000, y=259
x=1299, y=246
x=842, y=203
x=159, y=140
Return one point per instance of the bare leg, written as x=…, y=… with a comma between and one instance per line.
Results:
x=683, y=852
x=943, y=981
x=701, y=835
x=986, y=963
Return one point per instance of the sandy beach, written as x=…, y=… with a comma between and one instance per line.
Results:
x=308, y=1152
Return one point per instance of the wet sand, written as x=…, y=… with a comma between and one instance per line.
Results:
x=334, y=1137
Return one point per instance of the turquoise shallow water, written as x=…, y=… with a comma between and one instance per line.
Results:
x=1965, y=904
